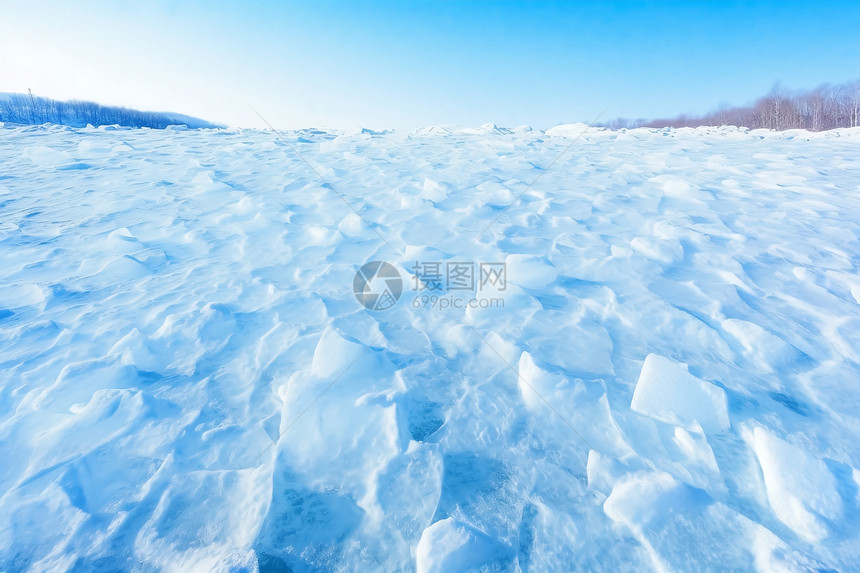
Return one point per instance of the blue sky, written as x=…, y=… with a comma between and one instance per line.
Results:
x=410, y=64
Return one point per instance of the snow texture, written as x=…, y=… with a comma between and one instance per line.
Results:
x=188, y=383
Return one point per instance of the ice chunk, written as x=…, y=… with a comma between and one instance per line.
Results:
x=658, y=510
x=134, y=350
x=92, y=147
x=534, y=382
x=696, y=449
x=800, y=488
x=661, y=250
x=47, y=156
x=433, y=190
x=351, y=226
x=604, y=471
x=583, y=349
x=494, y=193
x=568, y=130
x=530, y=271
x=642, y=498
x=666, y=391
x=772, y=554
x=448, y=545
x=759, y=345
x=334, y=354
x=673, y=186
x=236, y=500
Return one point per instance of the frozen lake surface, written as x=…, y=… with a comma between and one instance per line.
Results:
x=667, y=379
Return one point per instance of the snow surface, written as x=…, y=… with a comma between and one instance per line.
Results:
x=187, y=382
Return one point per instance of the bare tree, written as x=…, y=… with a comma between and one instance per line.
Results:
x=826, y=107
x=29, y=109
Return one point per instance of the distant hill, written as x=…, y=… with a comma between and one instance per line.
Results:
x=31, y=110
x=826, y=107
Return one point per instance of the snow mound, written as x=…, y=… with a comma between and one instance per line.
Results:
x=572, y=130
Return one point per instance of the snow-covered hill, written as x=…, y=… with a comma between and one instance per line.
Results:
x=667, y=378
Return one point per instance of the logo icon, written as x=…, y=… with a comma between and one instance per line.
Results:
x=377, y=285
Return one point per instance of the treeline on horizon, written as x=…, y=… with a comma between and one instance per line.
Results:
x=826, y=107
x=31, y=110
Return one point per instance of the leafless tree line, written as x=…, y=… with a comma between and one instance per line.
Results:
x=29, y=110
x=826, y=107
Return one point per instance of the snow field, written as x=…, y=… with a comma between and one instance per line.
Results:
x=187, y=382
